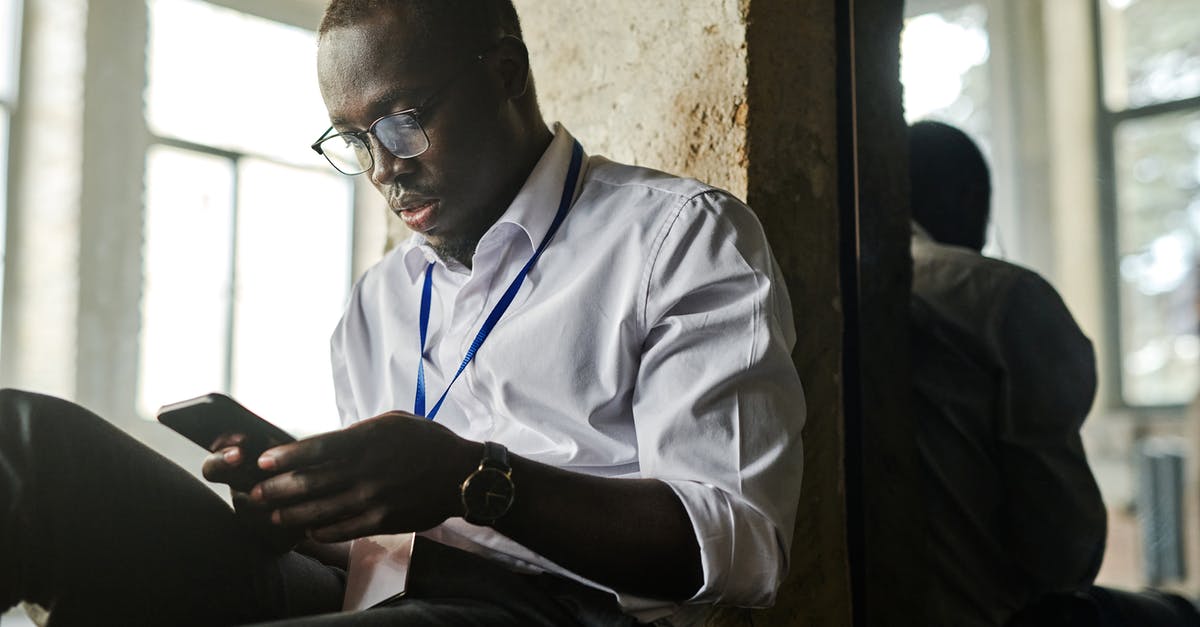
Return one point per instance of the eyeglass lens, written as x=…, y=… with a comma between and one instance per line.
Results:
x=400, y=134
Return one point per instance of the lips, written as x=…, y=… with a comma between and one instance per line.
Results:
x=418, y=214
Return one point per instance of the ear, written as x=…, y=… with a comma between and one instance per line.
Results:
x=509, y=59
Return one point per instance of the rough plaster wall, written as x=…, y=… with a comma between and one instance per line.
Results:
x=660, y=84
x=657, y=84
x=793, y=187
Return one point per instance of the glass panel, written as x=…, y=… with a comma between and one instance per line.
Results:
x=10, y=21
x=293, y=269
x=1151, y=51
x=1158, y=200
x=944, y=68
x=256, y=92
x=185, y=293
x=3, y=202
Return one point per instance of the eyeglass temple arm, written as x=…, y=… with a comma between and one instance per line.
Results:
x=316, y=146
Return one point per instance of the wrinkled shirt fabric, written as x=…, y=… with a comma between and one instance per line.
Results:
x=653, y=338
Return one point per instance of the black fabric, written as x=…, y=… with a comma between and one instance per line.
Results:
x=102, y=530
x=453, y=588
x=1099, y=606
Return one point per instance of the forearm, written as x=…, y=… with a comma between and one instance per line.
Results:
x=632, y=535
x=397, y=473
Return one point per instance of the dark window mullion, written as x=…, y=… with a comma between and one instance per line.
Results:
x=1161, y=108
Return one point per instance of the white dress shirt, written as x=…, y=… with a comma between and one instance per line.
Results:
x=652, y=339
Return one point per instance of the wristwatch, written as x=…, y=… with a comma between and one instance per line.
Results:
x=488, y=492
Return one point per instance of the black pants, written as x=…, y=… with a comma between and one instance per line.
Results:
x=102, y=530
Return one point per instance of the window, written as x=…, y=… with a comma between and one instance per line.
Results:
x=10, y=30
x=945, y=70
x=949, y=75
x=248, y=232
x=1150, y=158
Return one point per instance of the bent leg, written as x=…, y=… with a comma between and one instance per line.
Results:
x=97, y=527
x=448, y=587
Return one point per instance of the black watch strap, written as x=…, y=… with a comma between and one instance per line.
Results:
x=488, y=492
x=495, y=456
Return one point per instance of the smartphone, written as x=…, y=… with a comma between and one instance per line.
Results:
x=205, y=418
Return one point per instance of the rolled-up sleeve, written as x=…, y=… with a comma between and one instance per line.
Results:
x=718, y=406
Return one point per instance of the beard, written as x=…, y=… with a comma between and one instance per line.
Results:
x=459, y=249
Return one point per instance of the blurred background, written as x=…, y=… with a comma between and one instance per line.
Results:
x=166, y=230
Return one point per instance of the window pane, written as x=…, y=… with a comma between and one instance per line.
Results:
x=1158, y=200
x=10, y=28
x=293, y=269
x=185, y=293
x=1151, y=51
x=256, y=92
x=944, y=68
x=3, y=201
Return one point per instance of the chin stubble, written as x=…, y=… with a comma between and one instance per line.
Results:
x=461, y=249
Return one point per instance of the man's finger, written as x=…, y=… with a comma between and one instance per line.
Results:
x=307, y=452
x=364, y=524
x=305, y=483
x=320, y=512
x=221, y=465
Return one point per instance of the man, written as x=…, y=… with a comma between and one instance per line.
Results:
x=575, y=381
x=1003, y=379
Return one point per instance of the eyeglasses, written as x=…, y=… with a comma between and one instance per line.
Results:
x=400, y=133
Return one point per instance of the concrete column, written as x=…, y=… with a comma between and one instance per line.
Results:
x=41, y=284
x=114, y=146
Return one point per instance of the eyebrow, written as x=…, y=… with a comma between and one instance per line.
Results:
x=384, y=101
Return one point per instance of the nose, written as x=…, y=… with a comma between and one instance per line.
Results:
x=387, y=166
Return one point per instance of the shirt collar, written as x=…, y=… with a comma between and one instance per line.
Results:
x=531, y=211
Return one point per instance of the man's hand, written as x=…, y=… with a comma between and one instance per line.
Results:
x=227, y=464
x=391, y=474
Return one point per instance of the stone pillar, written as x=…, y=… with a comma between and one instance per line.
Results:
x=41, y=285
x=114, y=143
x=794, y=165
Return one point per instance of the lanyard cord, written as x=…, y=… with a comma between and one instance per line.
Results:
x=501, y=306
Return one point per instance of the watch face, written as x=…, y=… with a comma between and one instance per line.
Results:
x=487, y=494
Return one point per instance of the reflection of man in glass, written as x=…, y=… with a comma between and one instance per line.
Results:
x=626, y=334
x=1003, y=379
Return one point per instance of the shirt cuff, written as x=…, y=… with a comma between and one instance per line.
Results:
x=740, y=550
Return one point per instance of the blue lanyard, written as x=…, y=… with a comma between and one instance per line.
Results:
x=564, y=206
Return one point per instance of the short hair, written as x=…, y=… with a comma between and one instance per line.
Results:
x=950, y=184
x=490, y=19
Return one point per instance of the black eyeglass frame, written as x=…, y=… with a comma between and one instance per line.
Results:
x=413, y=112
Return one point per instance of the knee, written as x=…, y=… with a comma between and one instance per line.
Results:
x=22, y=411
x=13, y=403
x=8, y=394
x=16, y=409
x=12, y=398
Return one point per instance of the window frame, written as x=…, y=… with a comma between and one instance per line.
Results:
x=9, y=98
x=1107, y=123
x=289, y=13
